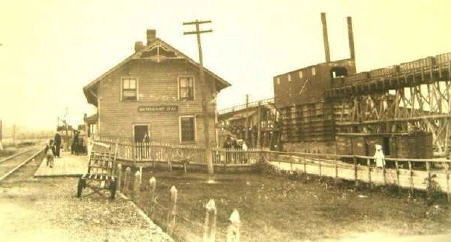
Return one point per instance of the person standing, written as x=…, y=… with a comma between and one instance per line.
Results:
x=227, y=146
x=49, y=153
x=379, y=156
x=57, y=140
x=75, y=148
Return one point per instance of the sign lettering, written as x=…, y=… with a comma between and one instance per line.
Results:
x=160, y=108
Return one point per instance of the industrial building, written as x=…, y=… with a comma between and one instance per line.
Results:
x=330, y=108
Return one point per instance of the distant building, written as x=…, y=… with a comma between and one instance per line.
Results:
x=255, y=123
x=156, y=91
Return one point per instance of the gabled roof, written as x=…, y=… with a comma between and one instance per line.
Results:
x=157, y=45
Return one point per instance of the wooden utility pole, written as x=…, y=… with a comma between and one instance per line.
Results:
x=204, y=86
x=14, y=134
x=1, y=134
x=259, y=125
x=246, y=125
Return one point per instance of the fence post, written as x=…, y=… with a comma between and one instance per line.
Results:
x=428, y=184
x=140, y=175
x=153, y=187
x=411, y=179
x=172, y=211
x=119, y=177
x=356, y=182
x=305, y=165
x=368, y=162
x=210, y=229
x=448, y=192
x=319, y=165
x=336, y=170
x=233, y=230
x=136, y=186
x=134, y=151
x=128, y=172
x=397, y=176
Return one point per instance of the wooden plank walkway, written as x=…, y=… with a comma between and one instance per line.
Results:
x=375, y=175
x=67, y=165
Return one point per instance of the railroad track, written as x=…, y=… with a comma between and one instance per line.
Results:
x=13, y=163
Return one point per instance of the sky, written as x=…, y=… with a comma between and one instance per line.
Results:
x=52, y=48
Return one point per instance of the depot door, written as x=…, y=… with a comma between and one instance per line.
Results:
x=139, y=132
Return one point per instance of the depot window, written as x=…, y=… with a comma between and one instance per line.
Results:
x=187, y=129
x=186, y=88
x=129, y=89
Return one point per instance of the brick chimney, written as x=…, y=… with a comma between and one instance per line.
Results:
x=138, y=46
x=151, y=36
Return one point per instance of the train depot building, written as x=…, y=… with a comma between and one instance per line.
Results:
x=155, y=92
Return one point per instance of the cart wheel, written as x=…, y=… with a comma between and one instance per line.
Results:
x=81, y=185
x=113, y=189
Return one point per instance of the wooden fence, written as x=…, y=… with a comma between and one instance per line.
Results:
x=412, y=174
x=169, y=216
x=406, y=173
x=140, y=152
x=236, y=156
x=155, y=152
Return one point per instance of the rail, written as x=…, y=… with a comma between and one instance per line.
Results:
x=244, y=106
x=26, y=161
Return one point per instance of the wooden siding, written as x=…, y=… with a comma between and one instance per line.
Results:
x=305, y=116
x=307, y=88
x=157, y=85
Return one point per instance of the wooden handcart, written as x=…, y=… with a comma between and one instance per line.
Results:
x=101, y=172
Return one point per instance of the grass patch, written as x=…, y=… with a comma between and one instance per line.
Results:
x=286, y=207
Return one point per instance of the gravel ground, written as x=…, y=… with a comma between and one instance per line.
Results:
x=46, y=209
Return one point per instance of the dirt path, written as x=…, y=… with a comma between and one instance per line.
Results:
x=46, y=209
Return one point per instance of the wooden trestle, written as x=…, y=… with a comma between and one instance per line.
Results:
x=408, y=97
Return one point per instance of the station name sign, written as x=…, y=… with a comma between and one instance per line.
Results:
x=159, y=108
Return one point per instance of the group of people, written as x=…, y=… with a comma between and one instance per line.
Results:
x=235, y=144
x=52, y=150
x=232, y=143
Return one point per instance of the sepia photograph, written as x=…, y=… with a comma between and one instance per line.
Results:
x=225, y=120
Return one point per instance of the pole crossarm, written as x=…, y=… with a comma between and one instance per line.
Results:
x=197, y=22
x=198, y=32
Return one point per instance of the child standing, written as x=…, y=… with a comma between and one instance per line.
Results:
x=50, y=153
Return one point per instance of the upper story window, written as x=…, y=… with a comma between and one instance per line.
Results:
x=337, y=72
x=278, y=80
x=289, y=77
x=129, y=89
x=300, y=74
x=186, y=88
x=313, y=71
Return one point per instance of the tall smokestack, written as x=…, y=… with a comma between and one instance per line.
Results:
x=351, y=38
x=325, y=37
